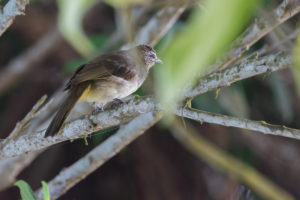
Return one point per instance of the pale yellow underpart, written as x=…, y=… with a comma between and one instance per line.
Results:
x=103, y=92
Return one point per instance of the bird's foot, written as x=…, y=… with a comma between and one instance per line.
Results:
x=97, y=110
x=115, y=103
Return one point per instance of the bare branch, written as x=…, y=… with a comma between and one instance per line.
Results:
x=11, y=9
x=87, y=125
x=247, y=68
x=259, y=28
x=260, y=126
x=158, y=26
x=68, y=177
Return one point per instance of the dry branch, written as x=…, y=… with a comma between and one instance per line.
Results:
x=247, y=68
x=81, y=127
x=260, y=126
x=257, y=30
x=68, y=177
x=8, y=13
x=158, y=26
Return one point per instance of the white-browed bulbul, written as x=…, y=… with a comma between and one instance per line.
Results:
x=107, y=77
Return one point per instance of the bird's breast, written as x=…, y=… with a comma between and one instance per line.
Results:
x=104, y=91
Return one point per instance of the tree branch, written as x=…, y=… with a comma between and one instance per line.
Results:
x=68, y=177
x=78, y=128
x=257, y=30
x=249, y=67
x=158, y=26
x=11, y=9
x=260, y=126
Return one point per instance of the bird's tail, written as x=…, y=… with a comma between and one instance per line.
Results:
x=74, y=95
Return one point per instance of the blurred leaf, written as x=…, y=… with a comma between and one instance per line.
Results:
x=72, y=65
x=123, y=3
x=297, y=63
x=233, y=100
x=3, y=2
x=25, y=190
x=208, y=34
x=46, y=191
x=33, y=1
x=99, y=39
x=70, y=24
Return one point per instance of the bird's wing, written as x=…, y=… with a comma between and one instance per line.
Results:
x=101, y=68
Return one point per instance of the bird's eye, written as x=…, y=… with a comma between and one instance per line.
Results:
x=152, y=56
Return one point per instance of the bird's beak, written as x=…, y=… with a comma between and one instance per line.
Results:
x=157, y=60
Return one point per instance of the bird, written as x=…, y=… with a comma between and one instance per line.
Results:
x=107, y=78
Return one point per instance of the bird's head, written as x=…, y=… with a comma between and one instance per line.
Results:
x=149, y=55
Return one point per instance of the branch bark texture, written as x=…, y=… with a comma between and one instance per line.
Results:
x=257, y=30
x=11, y=9
x=260, y=126
x=98, y=156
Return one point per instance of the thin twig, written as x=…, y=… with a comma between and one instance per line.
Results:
x=259, y=28
x=218, y=158
x=249, y=67
x=11, y=9
x=68, y=177
x=157, y=26
x=260, y=126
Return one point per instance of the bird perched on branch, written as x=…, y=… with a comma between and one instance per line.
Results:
x=106, y=78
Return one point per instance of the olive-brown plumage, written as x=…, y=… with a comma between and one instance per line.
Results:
x=105, y=78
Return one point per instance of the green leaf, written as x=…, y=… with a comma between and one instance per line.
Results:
x=72, y=65
x=123, y=3
x=70, y=24
x=46, y=191
x=25, y=190
x=207, y=35
x=297, y=63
